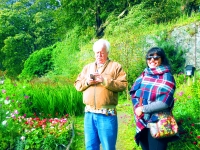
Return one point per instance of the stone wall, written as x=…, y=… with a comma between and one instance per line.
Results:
x=188, y=37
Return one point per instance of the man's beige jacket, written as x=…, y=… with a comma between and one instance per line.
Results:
x=102, y=95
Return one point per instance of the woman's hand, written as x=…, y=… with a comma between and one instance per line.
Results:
x=138, y=111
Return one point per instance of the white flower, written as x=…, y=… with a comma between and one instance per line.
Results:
x=7, y=112
x=6, y=102
x=22, y=138
x=4, y=122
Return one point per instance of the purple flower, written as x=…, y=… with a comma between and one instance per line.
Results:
x=3, y=91
x=26, y=97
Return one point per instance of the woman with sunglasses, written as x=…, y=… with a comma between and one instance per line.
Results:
x=155, y=87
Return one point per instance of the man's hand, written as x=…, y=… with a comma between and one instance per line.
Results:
x=94, y=78
x=98, y=77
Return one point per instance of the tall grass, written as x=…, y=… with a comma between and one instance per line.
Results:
x=55, y=99
x=47, y=98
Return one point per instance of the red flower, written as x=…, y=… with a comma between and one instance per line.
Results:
x=194, y=143
x=198, y=137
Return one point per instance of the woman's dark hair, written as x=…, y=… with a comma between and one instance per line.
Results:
x=160, y=52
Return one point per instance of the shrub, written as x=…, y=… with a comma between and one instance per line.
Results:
x=38, y=64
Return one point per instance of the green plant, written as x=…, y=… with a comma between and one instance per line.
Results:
x=54, y=98
x=180, y=79
x=38, y=64
x=186, y=111
x=46, y=133
x=22, y=128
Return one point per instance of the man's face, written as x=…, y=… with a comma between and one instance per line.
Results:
x=101, y=55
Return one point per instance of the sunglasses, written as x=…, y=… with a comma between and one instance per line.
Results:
x=154, y=57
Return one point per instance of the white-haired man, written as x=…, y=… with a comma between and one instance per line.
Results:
x=100, y=82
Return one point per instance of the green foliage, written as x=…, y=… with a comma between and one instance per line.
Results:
x=24, y=27
x=15, y=53
x=130, y=55
x=27, y=111
x=186, y=111
x=180, y=79
x=189, y=6
x=66, y=56
x=163, y=11
x=38, y=64
x=50, y=98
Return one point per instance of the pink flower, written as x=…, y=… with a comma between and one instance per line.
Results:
x=12, y=115
x=16, y=112
x=26, y=97
x=181, y=93
x=63, y=120
x=3, y=91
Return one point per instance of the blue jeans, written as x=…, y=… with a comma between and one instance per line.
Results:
x=99, y=128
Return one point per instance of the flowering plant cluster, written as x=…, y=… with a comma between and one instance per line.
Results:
x=186, y=112
x=37, y=133
x=21, y=131
x=45, y=133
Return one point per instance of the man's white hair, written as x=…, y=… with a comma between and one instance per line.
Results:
x=101, y=43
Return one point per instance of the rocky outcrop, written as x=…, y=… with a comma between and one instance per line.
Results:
x=188, y=37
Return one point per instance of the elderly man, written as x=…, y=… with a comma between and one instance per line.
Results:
x=100, y=82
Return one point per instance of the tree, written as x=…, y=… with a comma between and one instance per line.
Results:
x=92, y=13
x=25, y=26
x=16, y=50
